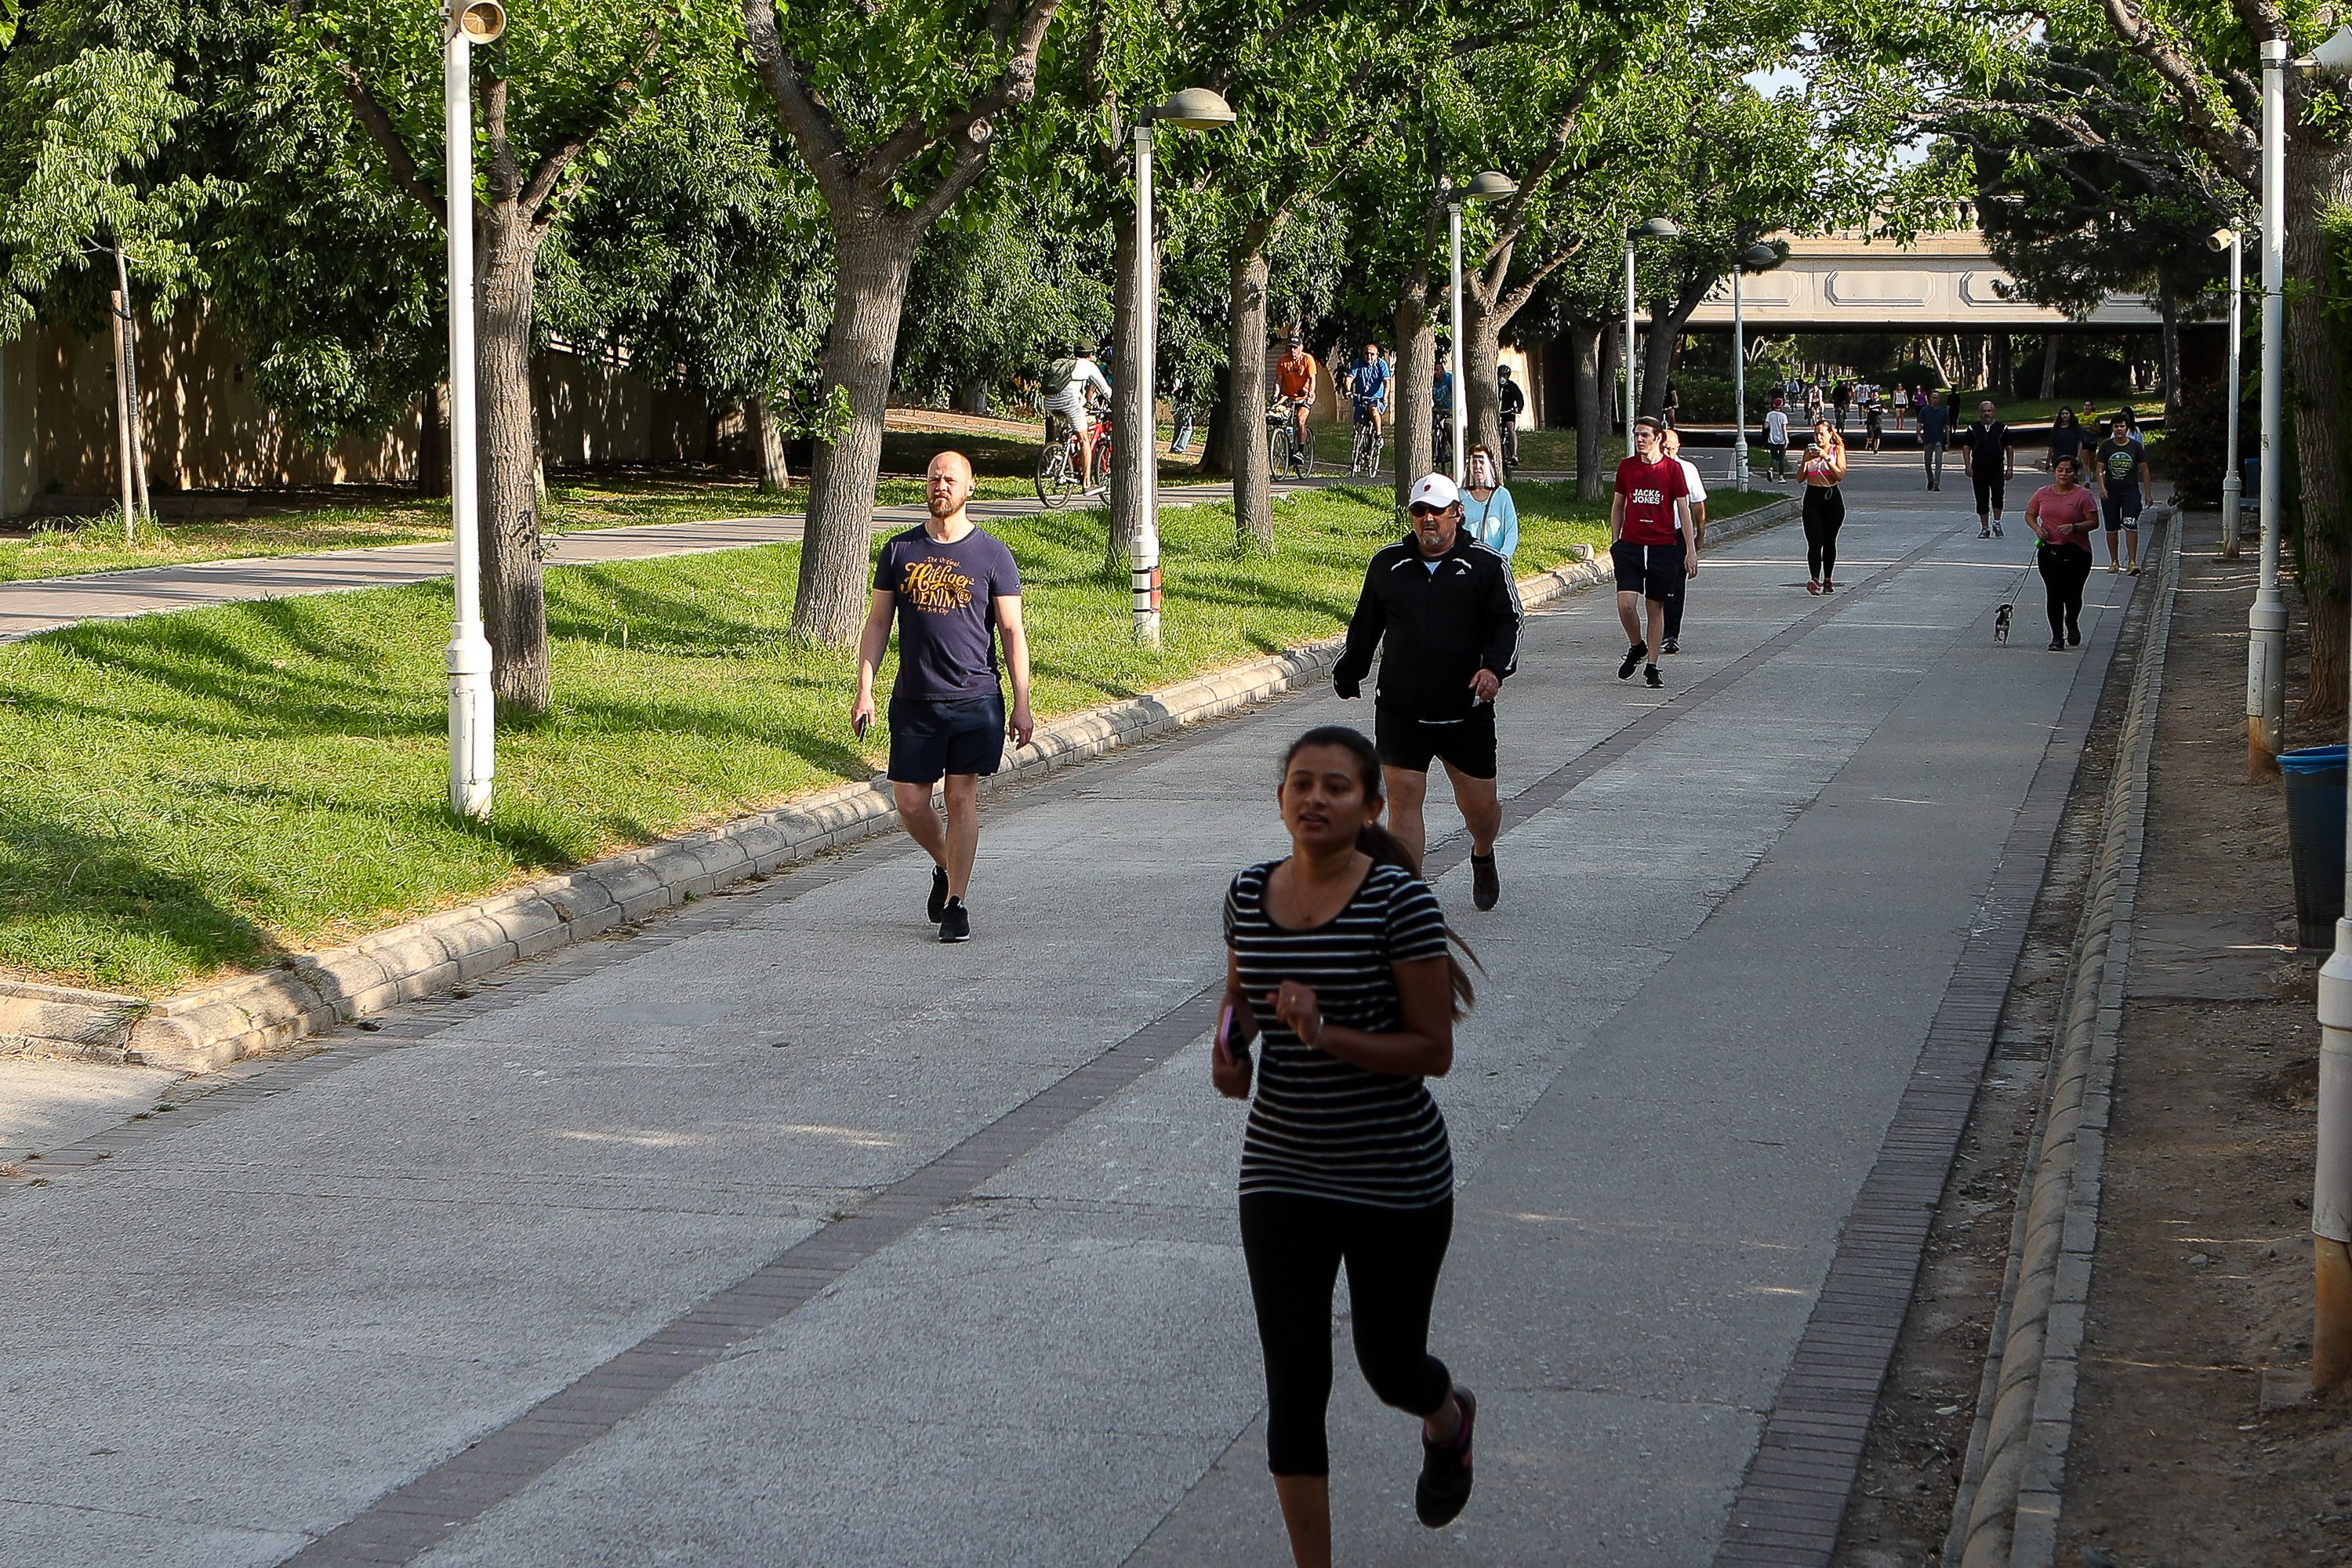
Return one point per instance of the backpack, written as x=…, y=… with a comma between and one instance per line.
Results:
x=1059, y=375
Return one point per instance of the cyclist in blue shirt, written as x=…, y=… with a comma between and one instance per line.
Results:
x=1368, y=387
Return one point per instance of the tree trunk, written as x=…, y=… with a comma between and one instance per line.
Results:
x=2048, y=365
x=1130, y=405
x=872, y=258
x=1411, y=439
x=1482, y=357
x=2319, y=180
x=131, y=381
x=1245, y=391
x=432, y=441
x=514, y=595
x=122, y=437
x=1657, y=357
x=2168, y=308
x=1934, y=348
x=765, y=434
x=2003, y=364
x=972, y=397
x=1585, y=340
x=1219, y=438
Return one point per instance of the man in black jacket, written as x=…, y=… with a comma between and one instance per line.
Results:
x=1445, y=603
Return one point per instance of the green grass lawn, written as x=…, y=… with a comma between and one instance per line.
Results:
x=201, y=792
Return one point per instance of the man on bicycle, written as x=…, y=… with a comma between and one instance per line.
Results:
x=1441, y=414
x=1068, y=382
x=1510, y=402
x=1294, y=377
x=1368, y=387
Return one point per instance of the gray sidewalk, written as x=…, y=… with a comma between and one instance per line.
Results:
x=960, y=1220
x=40, y=605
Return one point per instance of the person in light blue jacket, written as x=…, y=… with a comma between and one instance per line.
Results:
x=1489, y=512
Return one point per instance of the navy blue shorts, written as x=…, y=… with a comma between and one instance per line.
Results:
x=956, y=735
x=2122, y=506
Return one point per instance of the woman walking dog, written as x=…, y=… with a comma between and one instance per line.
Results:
x=1337, y=954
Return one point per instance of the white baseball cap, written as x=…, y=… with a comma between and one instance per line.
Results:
x=1434, y=489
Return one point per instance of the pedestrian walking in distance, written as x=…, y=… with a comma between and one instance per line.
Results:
x=1991, y=465
x=1775, y=439
x=2122, y=470
x=1649, y=520
x=1823, y=471
x=2062, y=515
x=1445, y=606
x=1338, y=956
x=1697, y=496
x=1935, y=428
x=953, y=592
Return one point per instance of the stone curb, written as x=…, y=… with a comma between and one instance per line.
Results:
x=209, y=1028
x=54, y=1021
x=2014, y=1475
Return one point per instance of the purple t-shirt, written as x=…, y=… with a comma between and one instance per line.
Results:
x=947, y=597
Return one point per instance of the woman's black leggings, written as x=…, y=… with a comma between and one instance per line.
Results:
x=1824, y=515
x=1295, y=1247
x=2064, y=569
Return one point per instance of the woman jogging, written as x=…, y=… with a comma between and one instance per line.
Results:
x=2062, y=515
x=2065, y=438
x=1489, y=511
x=1338, y=954
x=1823, y=470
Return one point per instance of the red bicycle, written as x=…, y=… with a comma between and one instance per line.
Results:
x=1061, y=464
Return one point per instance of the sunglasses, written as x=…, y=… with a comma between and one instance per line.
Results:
x=1423, y=508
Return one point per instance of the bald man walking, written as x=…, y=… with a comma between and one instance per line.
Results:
x=952, y=591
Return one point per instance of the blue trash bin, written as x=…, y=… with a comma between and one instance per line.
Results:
x=2314, y=778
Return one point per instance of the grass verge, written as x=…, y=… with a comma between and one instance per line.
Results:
x=202, y=792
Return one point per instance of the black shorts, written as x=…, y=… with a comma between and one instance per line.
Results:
x=1990, y=487
x=957, y=735
x=1407, y=742
x=2121, y=507
x=1653, y=571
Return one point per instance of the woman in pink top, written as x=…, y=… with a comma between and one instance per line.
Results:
x=2062, y=514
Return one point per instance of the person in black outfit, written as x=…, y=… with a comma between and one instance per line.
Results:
x=1992, y=464
x=1510, y=402
x=1339, y=954
x=1445, y=603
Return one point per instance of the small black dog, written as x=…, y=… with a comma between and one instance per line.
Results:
x=2001, y=624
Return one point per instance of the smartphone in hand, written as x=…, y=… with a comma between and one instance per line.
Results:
x=857, y=725
x=1236, y=1049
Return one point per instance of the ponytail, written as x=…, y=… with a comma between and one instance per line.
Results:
x=1385, y=847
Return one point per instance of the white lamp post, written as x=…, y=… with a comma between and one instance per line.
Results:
x=1755, y=258
x=473, y=717
x=1650, y=228
x=2266, y=621
x=1489, y=186
x=1192, y=109
x=2232, y=484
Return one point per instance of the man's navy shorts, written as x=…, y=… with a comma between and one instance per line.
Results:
x=953, y=735
x=2122, y=508
x=1653, y=571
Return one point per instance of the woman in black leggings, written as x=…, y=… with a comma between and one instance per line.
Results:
x=2062, y=515
x=1823, y=468
x=1338, y=953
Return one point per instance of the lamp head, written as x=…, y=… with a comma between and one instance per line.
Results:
x=1491, y=185
x=2335, y=56
x=478, y=21
x=1658, y=229
x=2221, y=239
x=1194, y=108
x=1759, y=257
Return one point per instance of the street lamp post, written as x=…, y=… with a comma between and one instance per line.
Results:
x=1649, y=228
x=2232, y=485
x=1192, y=108
x=473, y=716
x=1489, y=186
x=1755, y=258
x=2266, y=622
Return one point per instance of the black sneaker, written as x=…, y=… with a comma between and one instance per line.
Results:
x=2073, y=636
x=1671, y=644
x=955, y=922
x=1485, y=887
x=1996, y=528
x=1444, y=1486
x=2057, y=647
x=938, y=907
x=1633, y=656
x=1650, y=674
x=1984, y=534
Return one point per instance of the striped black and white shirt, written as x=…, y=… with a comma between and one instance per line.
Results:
x=1321, y=1126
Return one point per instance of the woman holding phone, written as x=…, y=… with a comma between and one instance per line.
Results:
x=1338, y=955
x=1822, y=471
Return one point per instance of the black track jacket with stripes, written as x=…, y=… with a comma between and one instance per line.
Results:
x=1442, y=627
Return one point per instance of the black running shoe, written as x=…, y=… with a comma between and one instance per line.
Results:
x=1444, y=1485
x=2073, y=636
x=1670, y=646
x=1633, y=656
x=938, y=907
x=1650, y=674
x=955, y=922
x=1485, y=887
x=2057, y=647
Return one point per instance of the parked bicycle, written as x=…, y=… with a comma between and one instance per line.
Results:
x=1364, y=458
x=1292, y=457
x=1061, y=463
x=1510, y=446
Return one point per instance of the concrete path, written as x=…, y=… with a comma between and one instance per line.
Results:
x=42, y=604
x=782, y=1233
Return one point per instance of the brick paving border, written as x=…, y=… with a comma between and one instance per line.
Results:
x=1793, y=1500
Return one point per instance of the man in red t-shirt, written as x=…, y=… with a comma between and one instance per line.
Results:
x=1651, y=541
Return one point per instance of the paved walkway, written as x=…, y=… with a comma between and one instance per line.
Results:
x=42, y=604
x=782, y=1233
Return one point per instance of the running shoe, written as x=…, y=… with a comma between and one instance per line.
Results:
x=937, y=908
x=1633, y=656
x=2135, y=570
x=1813, y=584
x=955, y=922
x=2113, y=568
x=2057, y=647
x=1984, y=534
x=1444, y=1486
x=1828, y=586
x=2073, y=636
x=1670, y=646
x=1485, y=887
x=1650, y=674
x=1996, y=528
